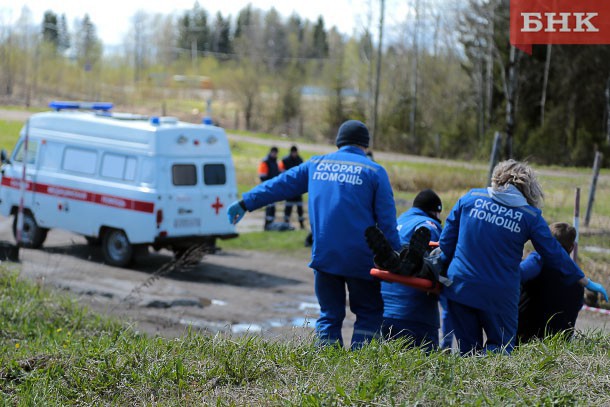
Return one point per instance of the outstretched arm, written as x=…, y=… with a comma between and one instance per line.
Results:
x=289, y=183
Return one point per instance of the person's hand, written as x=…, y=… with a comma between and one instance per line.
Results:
x=598, y=288
x=235, y=212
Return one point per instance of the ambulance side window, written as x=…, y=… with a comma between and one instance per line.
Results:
x=50, y=159
x=184, y=174
x=214, y=174
x=119, y=167
x=32, y=150
x=79, y=160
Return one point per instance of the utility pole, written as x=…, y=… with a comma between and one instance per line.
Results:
x=608, y=111
x=194, y=30
x=545, y=81
x=596, y=166
x=511, y=91
x=378, y=75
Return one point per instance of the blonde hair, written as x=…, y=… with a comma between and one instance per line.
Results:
x=522, y=177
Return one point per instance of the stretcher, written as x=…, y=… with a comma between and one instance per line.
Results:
x=422, y=284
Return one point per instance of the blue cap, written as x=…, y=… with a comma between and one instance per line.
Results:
x=155, y=121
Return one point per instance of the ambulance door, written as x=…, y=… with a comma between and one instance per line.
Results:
x=218, y=193
x=183, y=217
x=13, y=178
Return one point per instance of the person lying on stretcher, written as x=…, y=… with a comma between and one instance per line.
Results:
x=416, y=260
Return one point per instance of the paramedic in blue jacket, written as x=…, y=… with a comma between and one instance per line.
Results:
x=347, y=193
x=409, y=312
x=483, y=238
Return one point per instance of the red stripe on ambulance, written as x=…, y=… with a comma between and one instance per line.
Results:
x=80, y=195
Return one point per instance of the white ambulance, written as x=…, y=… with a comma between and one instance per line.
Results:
x=123, y=180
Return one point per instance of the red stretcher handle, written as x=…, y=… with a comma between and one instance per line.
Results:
x=421, y=284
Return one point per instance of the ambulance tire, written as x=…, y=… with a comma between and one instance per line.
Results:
x=32, y=235
x=117, y=249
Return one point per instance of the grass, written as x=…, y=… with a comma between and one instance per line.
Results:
x=52, y=352
x=23, y=108
x=284, y=242
x=9, y=133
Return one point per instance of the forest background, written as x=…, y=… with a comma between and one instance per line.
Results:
x=440, y=83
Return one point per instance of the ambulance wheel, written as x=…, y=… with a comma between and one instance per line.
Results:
x=117, y=249
x=32, y=236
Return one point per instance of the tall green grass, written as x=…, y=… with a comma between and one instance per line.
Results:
x=53, y=352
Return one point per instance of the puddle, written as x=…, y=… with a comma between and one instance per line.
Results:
x=296, y=322
x=300, y=322
x=245, y=328
x=309, y=306
x=181, y=302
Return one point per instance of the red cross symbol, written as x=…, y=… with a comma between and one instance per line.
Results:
x=217, y=205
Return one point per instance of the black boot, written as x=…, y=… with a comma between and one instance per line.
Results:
x=385, y=257
x=412, y=258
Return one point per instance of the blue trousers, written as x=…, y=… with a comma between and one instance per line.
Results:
x=364, y=301
x=423, y=335
x=446, y=325
x=469, y=324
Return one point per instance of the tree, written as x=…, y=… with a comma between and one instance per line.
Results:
x=275, y=42
x=194, y=32
x=50, y=33
x=320, y=46
x=87, y=46
x=244, y=21
x=165, y=38
x=63, y=35
x=335, y=81
x=221, y=37
x=140, y=38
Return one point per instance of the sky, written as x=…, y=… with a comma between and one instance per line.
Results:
x=112, y=18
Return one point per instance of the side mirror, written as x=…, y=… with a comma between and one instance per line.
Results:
x=4, y=157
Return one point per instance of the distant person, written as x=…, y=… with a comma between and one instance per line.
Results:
x=369, y=154
x=347, y=194
x=409, y=312
x=269, y=169
x=483, y=238
x=548, y=305
x=292, y=160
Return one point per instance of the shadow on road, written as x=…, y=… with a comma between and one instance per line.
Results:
x=202, y=272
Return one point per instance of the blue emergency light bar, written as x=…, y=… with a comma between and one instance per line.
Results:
x=62, y=105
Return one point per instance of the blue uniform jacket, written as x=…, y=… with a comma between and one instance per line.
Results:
x=347, y=193
x=484, y=240
x=401, y=301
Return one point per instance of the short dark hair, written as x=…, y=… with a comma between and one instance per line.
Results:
x=273, y=150
x=294, y=149
x=564, y=233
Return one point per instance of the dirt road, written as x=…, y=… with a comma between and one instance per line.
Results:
x=229, y=291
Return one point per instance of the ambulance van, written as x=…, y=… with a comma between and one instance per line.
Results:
x=126, y=181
